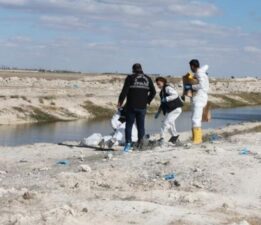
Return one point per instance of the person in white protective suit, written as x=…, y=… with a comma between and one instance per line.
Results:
x=171, y=106
x=199, y=99
x=118, y=123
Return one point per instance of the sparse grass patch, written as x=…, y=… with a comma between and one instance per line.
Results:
x=24, y=98
x=41, y=100
x=116, y=79
x=42, y=116
x=51, y=97
x=174, y=80
x=19, y=109
x=99, y=112
x=252, y=98
x=152, y=109
x=186, y=107
x=228, y=134
x=214, y=105
x=228, y=102
x=67, y=112
x=14, y=96
x=47, y=98
x=248, y=99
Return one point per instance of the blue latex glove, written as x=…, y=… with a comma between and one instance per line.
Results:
x=157, y=115
x=188, y=87
x=164, y=100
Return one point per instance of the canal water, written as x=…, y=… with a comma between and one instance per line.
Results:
x=14, y=135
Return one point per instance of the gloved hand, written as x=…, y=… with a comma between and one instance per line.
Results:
x=188, y=87
x=119, y=105
x=164, y=100
x=157, y=115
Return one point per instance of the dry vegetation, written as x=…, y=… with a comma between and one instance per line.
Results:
x=98, y=112
x=236, y=100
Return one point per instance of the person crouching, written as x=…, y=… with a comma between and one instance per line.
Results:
x=171, y=106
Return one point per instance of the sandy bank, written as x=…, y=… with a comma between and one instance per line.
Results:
x=215, y=184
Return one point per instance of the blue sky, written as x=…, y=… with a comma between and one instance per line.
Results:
x=111, y=35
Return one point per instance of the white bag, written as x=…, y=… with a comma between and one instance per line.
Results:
x=93, y=140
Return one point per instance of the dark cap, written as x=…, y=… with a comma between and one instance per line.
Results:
x=194, y=62
x=137, y=68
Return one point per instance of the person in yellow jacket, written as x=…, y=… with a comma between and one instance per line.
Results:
x=199, y=99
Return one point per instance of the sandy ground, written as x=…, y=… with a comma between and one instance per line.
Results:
x=215, y=184
x=36, y=97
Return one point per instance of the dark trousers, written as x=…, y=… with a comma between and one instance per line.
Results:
x=131, y=116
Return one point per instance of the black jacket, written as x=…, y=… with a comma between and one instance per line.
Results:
x=139, y=90
x=168, y=107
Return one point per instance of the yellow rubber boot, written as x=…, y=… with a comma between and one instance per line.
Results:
x=197, y=136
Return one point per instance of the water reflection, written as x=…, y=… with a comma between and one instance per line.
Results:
x=76, y=130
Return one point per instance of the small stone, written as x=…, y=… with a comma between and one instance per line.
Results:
x=176, y=183
x=85, y=210
x=165, y=163
x=197, y=185
x=44, y=169
x=225, y=205
x=68, y=210
x=197, y=170
x=188, y=146
x=81, y=158
x=110, y=156
x=27, y=196
x=208, y=151
x=2, y=172
x=85, y=168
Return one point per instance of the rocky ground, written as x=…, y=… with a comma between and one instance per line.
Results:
x=28, y=97
x=216, y=183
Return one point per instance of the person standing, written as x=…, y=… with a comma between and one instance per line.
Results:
x=139, y=90
x=171, y=104
x=199, y=99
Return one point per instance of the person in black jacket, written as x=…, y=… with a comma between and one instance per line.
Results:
x=139, y=91
x=171, y=104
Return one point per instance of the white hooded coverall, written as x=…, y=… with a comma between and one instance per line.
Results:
x=119, y=128
x=200, y=99
x=169, y=124
x=118, y=135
